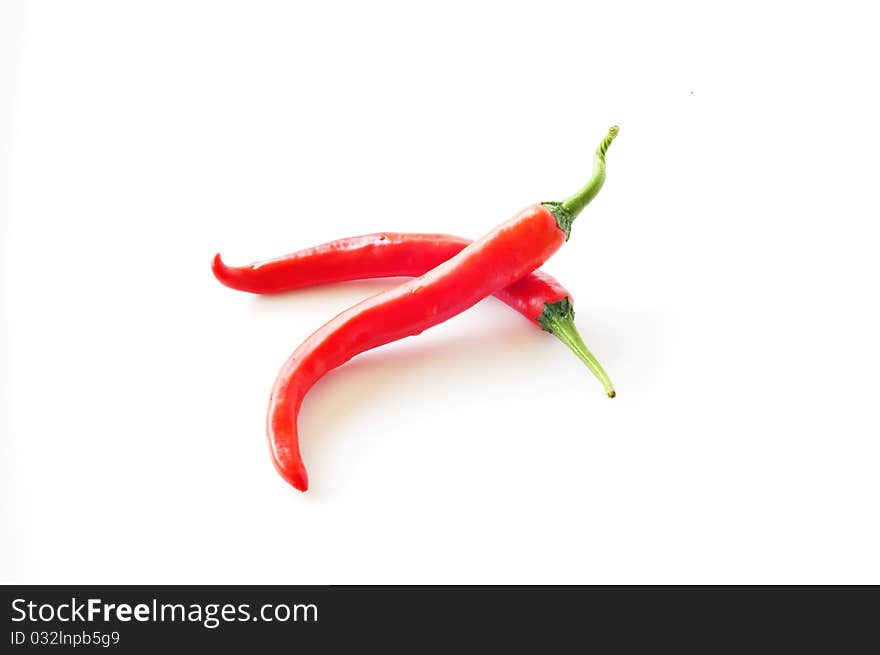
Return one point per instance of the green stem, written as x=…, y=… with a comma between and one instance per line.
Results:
x=558, y=319
x=566, y=211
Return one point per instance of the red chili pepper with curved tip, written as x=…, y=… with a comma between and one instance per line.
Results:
x=385, y=254
x=506, y=254
x=537, y=296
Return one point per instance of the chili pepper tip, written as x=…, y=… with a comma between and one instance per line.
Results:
x=227, y=275
x=612, y=394
x=298, y=478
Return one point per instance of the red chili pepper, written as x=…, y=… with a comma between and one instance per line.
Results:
x=506, y=254
x=537, y=296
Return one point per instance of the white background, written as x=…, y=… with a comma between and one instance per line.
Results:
x=726, y=276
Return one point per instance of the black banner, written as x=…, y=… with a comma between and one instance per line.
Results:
x=325, y=619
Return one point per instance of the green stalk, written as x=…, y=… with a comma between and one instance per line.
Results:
x=558, y=319
x=568, y=210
